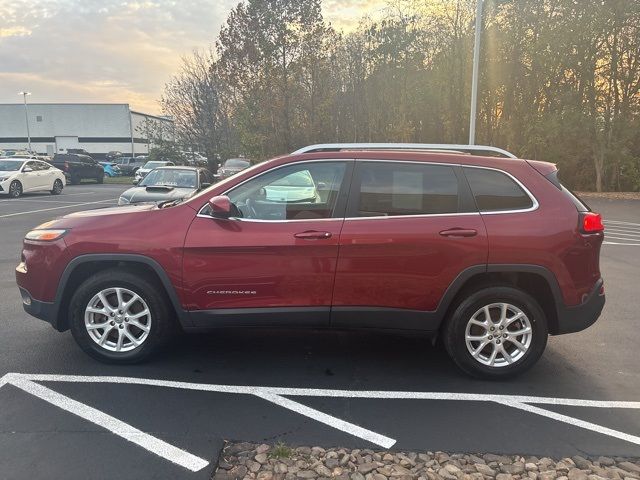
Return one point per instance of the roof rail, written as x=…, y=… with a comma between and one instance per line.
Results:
x=332, y=147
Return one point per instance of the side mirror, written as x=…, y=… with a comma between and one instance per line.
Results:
x=136, y=181
x=27, y=170
x=222, y=207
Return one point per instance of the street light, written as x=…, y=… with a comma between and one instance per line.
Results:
x=474, y=74
x=26, y=116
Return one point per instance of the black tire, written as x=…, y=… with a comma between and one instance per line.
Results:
x=15, y=189
x=152, y=293
x=100, y=179
x=57, y=187
x=454, y=331
x=74, y=179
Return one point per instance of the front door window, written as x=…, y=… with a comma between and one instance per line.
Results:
x=297, y=192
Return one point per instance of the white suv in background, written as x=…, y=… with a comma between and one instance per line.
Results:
x=19, y=175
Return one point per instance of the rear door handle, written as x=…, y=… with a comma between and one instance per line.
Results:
x=459, y=232
x=312, y=235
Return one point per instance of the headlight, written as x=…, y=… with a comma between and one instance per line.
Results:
x=45, y=235
x=4, y=179
x=123, y=201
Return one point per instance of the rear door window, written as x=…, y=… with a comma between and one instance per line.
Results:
x=495, y=191
x=389, y=189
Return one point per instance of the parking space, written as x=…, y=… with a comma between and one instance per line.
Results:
x=167, y=418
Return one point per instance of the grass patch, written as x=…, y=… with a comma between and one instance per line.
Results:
x=280, y=450
x=119, y=180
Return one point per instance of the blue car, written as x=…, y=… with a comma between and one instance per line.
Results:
x=110, y=169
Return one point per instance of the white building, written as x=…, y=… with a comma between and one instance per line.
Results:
x=97, y=128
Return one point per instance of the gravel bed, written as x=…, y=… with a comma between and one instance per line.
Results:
x=611, y=195
x=278, y=462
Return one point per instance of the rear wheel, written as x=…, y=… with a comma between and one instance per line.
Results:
x=496, y=332
x=57, y=187
x=120, y=317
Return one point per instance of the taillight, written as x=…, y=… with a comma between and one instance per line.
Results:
x=591, y=222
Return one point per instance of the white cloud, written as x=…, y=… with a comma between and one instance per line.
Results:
x=100, y=50
x=114, y=50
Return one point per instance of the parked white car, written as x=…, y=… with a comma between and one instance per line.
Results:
x=147, y=167
x=19, y=175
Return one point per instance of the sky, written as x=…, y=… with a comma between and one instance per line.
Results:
x=115, y=51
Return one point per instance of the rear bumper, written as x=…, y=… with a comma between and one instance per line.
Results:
x=576, y=318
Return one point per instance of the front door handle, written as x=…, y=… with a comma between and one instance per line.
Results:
x=459, y=232
x=312, y=235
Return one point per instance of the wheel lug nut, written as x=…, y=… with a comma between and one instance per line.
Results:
x=113, y=323
x=490, y=337
x=501, y=327
x=492, y=329
x=121, y=326
x=505, y=335
x=498, y=342
x=112, y=314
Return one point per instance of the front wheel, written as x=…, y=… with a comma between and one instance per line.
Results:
x=57, y=187
x=496, y=332
x=118, y=316
x=15, y=189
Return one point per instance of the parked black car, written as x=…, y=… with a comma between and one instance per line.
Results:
x=168, y=183
x=232, y=166
x=130, y=165
x=78, y=167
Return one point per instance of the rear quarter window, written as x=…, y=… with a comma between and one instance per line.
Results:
x=495, y=191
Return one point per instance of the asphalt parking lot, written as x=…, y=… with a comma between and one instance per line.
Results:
x=65, y=415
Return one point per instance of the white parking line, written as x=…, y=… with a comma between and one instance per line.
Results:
x=34, y=200
x=576, y=422
x=57, y=208
x=623, y=233
x=64, y=195
x=334, y=422
x=276, y=395
x=606, y=222
x=118, y=427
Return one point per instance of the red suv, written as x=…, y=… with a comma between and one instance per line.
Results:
x=490, y=254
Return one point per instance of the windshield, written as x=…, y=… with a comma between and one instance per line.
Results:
x=236, y=162
x=10, y=165
x=171, y=178
x=152, y=165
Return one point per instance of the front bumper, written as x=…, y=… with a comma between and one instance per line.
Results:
x=4, y=187
x=576, y=318
x=47, y=311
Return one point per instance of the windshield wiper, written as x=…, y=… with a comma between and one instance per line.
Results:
x=169, y=203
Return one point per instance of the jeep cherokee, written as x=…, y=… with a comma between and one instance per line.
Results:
x=489, y=254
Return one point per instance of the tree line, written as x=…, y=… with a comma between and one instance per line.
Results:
x=559, y=81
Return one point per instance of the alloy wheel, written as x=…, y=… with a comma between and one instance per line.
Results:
x=15, y=189
x=498, y=334
x=117, y=319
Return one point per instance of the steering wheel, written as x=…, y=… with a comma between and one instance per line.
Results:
x=250, y=204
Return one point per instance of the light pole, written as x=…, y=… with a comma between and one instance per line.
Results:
x=474, y=74
x=26, y=116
